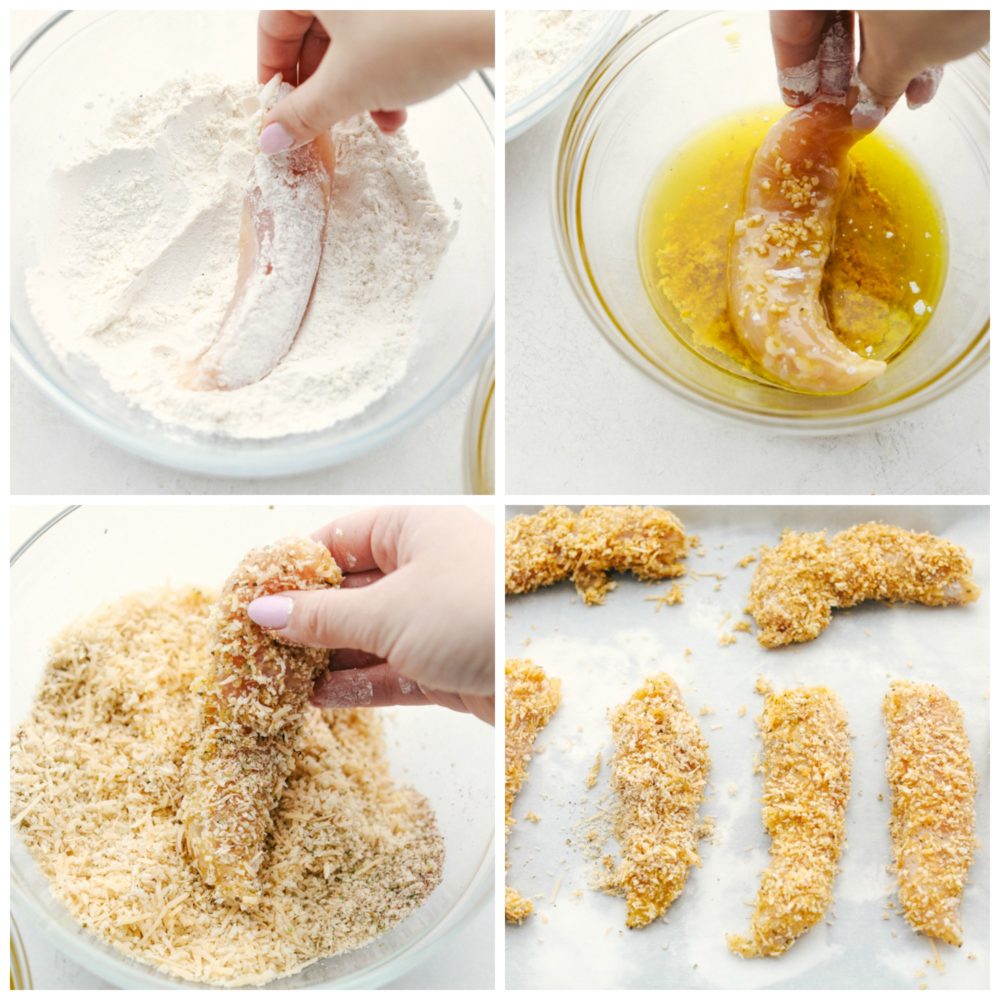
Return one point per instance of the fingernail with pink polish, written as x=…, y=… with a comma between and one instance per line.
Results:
x=270, y=612
x=274, y=138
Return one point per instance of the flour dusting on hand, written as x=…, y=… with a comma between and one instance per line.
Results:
x=138, y=262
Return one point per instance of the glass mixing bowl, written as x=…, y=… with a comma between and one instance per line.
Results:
x=478, y=440
x=532, y=108
x=90, y=555
x=667, y=79
x=86, y=60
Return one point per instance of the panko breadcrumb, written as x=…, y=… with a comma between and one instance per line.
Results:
x=659, y=771
x=933, y=786
x=801, y=579
x=807, y=784
x=531, y=699
x=96, y=785
x=254, y=696
x=558, y=543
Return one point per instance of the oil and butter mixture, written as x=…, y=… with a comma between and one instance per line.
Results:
x=882, y=280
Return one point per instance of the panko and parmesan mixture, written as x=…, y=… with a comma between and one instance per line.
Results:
x=659, y=772
x=558, y=543
x=96, y=787
x=531, y=699
x=933, y=786
x=799, y=581
x=807, y=786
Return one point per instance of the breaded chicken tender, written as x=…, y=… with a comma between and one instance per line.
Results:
x=558, y=543
x=255, y=692
x=807, y=784
x=659, y=771
x=799, y=581
x=531, y=700
x=933, y=787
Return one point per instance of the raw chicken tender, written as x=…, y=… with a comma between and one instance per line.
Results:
x=285, y=207
x=780, y=247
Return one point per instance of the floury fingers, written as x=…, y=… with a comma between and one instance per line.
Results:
x=933, y=787
x=531, y=700
x=659, y=773
x=558, y=544
x=807, y=784
x=254, y=697
x=805, y=576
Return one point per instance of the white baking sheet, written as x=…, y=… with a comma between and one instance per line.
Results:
x=577, y=937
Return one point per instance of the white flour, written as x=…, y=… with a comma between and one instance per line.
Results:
x=540, y=42
x=138, y=263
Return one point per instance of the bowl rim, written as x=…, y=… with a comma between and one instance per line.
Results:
x=564, y=207
x=550, y=92
x=300, y=456
x=128, y=972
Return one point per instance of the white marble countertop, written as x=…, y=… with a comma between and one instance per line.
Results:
x=428, y=459
x=581, y=419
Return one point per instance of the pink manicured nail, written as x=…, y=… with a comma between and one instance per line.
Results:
x=270, y=612
x=274, y=138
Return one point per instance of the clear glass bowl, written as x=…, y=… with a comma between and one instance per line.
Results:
x=667, y=79
x=478, y=442
x=90, y=555
x=83, y=58
x=20, y=971
x=532, y=108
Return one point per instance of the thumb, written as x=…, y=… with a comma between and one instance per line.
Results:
x=309, y=110
x=326, y=619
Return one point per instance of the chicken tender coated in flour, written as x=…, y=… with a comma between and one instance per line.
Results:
x=255, y=692
x=285, y=207
x=659, y=772
x=799, y=581
x=807, y=784
x=531, y=699
x=933, y=786
x=558, y=543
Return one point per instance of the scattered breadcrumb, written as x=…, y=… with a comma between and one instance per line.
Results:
x=687, y=652
x=933, y=786
x=100, y=760
x=557, y=543
x=746, y=560
x=807, y=779
x=532, y=817
x=742, y=626
x=595, y=770
x=802, y=578
x=727, y=640
x=531, y=700
x=732, y=789
x=659, y=772
x=705, y=710
x=675, y=595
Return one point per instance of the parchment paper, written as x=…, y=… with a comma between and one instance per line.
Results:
x=577, y=937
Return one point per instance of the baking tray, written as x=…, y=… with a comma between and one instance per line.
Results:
x=577, y=937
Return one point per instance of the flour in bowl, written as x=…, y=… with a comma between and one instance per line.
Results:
x=540, y=42
x=137, y=263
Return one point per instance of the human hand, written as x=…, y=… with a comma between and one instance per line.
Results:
x=412, y=623
x=348, y=62
x=902, y=52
